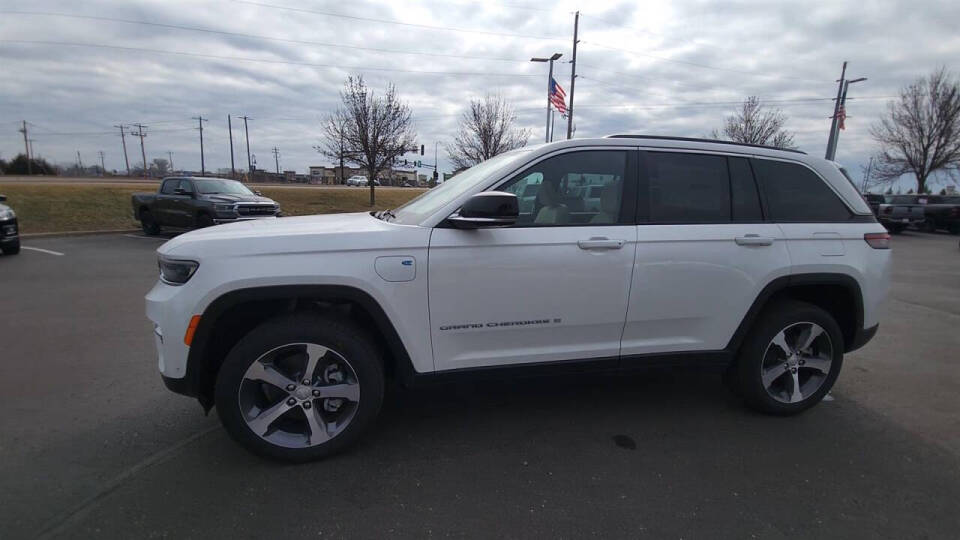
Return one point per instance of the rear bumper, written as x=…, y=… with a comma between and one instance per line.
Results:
x=863, y=337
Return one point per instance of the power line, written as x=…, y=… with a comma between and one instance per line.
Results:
x=255, y=36
x=389, y=21
x=702, y=66
x=262, y=60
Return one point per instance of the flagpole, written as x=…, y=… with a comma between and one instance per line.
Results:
x=549, y=84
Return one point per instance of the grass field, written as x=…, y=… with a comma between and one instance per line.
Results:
x=61, y=208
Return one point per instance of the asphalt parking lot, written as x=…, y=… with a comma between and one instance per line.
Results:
x=93, y=445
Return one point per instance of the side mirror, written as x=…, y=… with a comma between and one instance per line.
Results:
x=487, y=209
x=3, y=198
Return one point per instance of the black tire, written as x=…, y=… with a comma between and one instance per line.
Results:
x=348, y=339
x=930, y=226
x=148, y=224
x=203, y=221
x=954, y=228
x=12, y=249
x=750, y=360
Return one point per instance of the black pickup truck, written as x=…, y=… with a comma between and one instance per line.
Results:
x=194, y=202
x=943, y=212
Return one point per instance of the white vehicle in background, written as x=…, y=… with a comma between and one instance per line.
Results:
x=764, y=264
x=360, y=180
x=357, y=180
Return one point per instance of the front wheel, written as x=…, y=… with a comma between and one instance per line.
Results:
x=790, y=359
x=148, y=223
x=300, y=387
x=12, y=249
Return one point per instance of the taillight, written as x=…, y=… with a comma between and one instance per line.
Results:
x=877, y=240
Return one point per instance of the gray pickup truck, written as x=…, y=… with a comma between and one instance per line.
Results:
x=194, y=202
x=901, y=211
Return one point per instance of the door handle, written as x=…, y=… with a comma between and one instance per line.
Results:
x=753, y=240
x=600, y=242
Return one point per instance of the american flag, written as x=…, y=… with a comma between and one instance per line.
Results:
x=557, y=96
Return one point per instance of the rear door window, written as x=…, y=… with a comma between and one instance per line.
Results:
x=796, y=194
x=688, y=188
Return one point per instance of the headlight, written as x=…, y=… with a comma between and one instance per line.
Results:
x=224, y=208
x=7, y=213
x=173, y=272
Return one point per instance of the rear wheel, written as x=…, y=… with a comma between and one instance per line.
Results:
x=148, y=223
x=930, y=226
x=300, y=387
x=790, y=359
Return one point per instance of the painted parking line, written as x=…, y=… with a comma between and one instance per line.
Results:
x=41, y=250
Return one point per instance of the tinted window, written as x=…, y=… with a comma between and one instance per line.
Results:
x=795, y=193
x=743, y=191
x=688, y=188
x=169, y=185
x=557, y=190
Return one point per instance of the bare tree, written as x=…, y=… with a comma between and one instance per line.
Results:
x=160, y=167
x=754, y=124
x=333, y=145
x=921, y=132
x=486, y=130
x=374, y=130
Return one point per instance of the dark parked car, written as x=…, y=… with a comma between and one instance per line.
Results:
x=943, y=212
x=9, y=233
x=193, y=202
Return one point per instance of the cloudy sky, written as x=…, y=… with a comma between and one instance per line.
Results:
x=73, y=70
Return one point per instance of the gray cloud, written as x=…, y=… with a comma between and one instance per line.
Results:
x=638, y=64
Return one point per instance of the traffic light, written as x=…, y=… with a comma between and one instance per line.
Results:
x=421, y=149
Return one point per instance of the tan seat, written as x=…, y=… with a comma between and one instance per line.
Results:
x=609, y=205
x=552, y=211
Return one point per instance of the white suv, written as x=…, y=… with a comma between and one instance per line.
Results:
x=764, y=264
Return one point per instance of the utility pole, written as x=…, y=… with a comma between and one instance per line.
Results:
x=573, y=74
x=200, y=120
x=276, y=158
x=26, y=148
x=831, y=150
x=866, y=177
x=143, y=152
x=123, y=140
x=79, y=163
x=103, y=168
x=555, y=56
x=839, y=112
x=233, y=169
x=246, y=132
x=170, y=155
x=33, y=155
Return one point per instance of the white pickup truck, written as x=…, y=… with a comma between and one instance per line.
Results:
x=765, y=265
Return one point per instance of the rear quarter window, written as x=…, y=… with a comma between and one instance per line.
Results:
x=794, y=193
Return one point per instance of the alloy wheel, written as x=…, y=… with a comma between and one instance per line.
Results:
x=299, y=395
x=797, y=362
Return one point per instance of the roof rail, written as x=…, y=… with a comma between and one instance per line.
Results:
x=694, y=139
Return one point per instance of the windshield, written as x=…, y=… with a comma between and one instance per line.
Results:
x=219, y=185
x=419, y=208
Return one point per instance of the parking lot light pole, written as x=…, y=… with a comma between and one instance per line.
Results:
x=546, y=137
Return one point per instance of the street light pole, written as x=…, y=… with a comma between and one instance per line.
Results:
x=546, y=137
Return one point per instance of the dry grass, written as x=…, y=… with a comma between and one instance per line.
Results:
x=61, y=207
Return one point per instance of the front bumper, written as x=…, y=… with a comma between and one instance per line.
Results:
x=223, y=220
x=9, y=231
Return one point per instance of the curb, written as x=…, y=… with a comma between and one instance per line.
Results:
x=77, y=233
